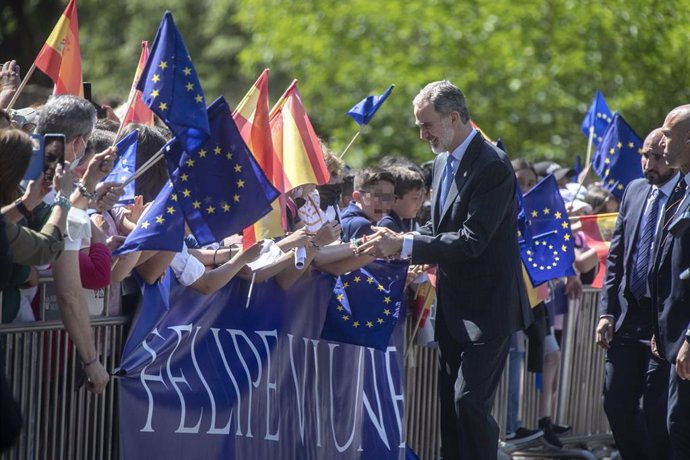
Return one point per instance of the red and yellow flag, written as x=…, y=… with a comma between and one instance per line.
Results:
x=297, y=149
x=60, y=57
x=251, y=118
x=138, y=111
x=597, y=230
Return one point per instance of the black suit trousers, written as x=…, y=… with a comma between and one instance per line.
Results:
x=679, y=415
x=469, y=374
x=632, y=372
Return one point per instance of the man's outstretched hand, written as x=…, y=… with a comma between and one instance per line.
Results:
x=384, y=243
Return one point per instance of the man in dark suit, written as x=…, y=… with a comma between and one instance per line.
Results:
x=625, y=324
x=669, y=283
x=472, y=238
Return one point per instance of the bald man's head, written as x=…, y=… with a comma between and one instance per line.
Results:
x=676, y=138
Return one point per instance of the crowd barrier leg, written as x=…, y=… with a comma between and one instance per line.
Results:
x=61, y=420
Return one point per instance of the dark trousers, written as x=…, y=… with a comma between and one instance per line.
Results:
x=679, y=415
x=469, y=374
x=10, y=416
x=632, y=372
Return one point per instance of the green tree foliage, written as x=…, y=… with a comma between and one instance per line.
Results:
x=529, y=69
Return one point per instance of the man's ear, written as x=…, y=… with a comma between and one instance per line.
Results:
x=357, y=195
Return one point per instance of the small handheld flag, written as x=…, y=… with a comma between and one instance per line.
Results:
x=365, y=109
x=597, y=118
x=617, y=159
x=550, y=252
x=125, y=165
x=60, y=57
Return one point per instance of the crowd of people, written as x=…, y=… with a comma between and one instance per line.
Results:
x=456, y=213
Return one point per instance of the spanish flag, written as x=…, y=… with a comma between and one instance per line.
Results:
x=138, y=111
x=597, y=230
x=60, y=57
x=251, y=118
x=297, y=148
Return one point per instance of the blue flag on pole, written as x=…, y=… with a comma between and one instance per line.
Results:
x=220, y=186
x=617, y=159
x=599, y=117
x=365, y=305
x=550, y=252
x=170, y=87
x=160, y=227
x=577, y=168
x=365, y=109
x=125, y=165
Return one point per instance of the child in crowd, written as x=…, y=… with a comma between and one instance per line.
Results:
x=372, y=198
x=409, y=196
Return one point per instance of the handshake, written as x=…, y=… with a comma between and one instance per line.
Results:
x=383, y=243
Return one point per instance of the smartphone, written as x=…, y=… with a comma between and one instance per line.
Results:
x=100, y=111
x=87, y=90
x=35, y=168
x=54, y=153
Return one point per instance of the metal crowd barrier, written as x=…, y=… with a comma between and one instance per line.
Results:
x=579, y=399
x=64, y=421
x=61, y=419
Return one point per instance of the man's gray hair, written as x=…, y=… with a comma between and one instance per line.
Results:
x=446, y=98
x=65, y=114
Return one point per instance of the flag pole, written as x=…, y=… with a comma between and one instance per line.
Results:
x=427, y=302
x=21, y=86
x=354, y=138
x=588, y=165
x=130, y=101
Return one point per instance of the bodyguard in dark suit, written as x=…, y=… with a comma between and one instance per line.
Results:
x=472, y=238
x=669, y=283
x=625, y=324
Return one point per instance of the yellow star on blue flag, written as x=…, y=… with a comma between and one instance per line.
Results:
x=170, y=87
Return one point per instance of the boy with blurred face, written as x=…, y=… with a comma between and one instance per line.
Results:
x=409, y=196
x=372, y=198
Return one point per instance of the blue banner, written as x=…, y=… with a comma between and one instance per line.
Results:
x=205, y=377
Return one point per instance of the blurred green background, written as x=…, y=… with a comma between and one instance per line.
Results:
x=529, y=69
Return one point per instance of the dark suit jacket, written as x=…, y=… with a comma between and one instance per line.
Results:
x=473, y=241
x=670, y=294
x=616, y=295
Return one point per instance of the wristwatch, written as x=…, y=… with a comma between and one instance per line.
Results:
x=687, y=336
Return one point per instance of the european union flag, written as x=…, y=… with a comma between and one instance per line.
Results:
x=550, y=252
x=599, y=117
x=125, y=165
x=617, y=159
x=160, y=227
x=366, y=305
x=365, y=109
x=221, y=187
x=170, y=87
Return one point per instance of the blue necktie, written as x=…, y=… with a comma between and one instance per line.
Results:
x=638, y=277
x=448, y=174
